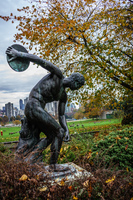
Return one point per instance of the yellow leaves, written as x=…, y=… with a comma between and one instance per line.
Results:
x=89, y=155
x=109, y=51
x=43, y=189
x=47, y=52
x=24, y=177
x=75, y=198
x=86, y=183
x=110, y=180
x=118, y=138
x=126, y=138
x=62, y=182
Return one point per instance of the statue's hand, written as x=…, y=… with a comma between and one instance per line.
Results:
x=67, y=137
x=12, y=52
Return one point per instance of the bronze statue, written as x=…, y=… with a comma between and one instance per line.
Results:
x=50, y=88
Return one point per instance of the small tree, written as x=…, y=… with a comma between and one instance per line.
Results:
x=79, y=114
x=16, y=122
x=94, y=108
x=18, y=117
x=12, y=118
x=5, y=119
x=1, y=119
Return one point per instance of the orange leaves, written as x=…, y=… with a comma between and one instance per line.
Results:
x=6, y=18
x=126, y=147
x=70, y=187
x=117, y=138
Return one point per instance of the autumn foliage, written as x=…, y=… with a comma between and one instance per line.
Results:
x=90, y=36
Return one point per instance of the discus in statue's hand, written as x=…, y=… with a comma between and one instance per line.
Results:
x=18, y=64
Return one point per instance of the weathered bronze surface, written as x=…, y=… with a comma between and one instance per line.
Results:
x=50, y=88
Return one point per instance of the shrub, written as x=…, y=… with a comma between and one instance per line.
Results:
x=77, y=149
x=116, y=148
x=128, y=119
x=2, y=148
x=17, y=122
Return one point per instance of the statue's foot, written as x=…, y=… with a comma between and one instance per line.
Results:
x=57, y=168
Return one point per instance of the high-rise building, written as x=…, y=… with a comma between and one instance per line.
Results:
x=4, y=110
x=25, y=101
x=51, y=108
x=9, y=110
x=15, y=110
x=69, y=109
x=21, y=104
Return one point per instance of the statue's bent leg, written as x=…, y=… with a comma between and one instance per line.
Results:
x=48, y=126
x=56, y=146
x=41, y=117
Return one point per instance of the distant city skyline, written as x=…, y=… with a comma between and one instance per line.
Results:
x=52, y=108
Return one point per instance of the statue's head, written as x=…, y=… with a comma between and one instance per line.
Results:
x=75, y=81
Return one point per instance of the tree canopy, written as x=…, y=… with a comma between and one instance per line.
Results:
x=93, y=37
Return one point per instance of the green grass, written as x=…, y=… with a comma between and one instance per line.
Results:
x=6, y=137
x=89, y=122
x=78, y=124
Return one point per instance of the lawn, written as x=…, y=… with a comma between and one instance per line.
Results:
x=10, y=137
x=77, y=125
x=90, y=122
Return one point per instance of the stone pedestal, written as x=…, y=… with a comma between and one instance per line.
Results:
x=68, y=172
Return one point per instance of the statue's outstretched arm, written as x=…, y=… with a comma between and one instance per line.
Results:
x=35, y=59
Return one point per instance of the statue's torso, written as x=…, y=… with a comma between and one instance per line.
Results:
x=49, y=88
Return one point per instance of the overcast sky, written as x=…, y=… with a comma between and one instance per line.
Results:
x=14, y=85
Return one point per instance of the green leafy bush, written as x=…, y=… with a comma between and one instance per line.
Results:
x=116, y=148
x=76, y=149
x=2, y=148
x=128, y=119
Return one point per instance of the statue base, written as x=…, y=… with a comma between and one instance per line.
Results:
x=68, y=172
